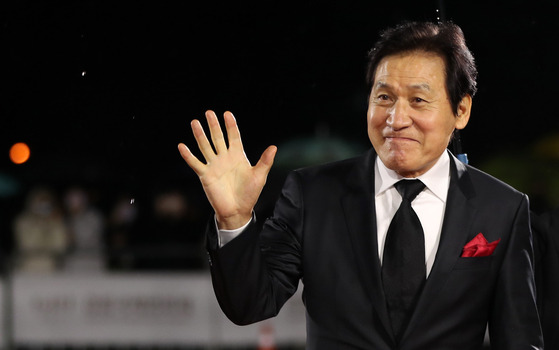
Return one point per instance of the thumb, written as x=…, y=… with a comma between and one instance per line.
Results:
x=266, y=161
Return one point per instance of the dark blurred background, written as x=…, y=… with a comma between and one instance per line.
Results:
x=103, y=91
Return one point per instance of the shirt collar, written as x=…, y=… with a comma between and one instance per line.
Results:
x=436, y=179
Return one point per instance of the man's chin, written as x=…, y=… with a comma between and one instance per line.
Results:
x=403, y=167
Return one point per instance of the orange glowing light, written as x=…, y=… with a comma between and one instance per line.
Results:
x=19, y=153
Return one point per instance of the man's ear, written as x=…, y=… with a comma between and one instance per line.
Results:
x=463, y=112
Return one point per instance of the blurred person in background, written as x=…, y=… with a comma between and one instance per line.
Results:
x=122, y=224
x=168, y=235
x=86, y=229
x=176, y=229
x=469, y=265
x=40, y=233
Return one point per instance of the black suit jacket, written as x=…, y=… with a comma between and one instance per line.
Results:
x=323, y=231
x=546, y=247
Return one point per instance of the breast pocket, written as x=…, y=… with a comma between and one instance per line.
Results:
x=473, y=263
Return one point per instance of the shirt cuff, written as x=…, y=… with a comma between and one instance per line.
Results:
x=226, y=236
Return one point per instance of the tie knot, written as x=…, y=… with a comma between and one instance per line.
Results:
x=409, y=189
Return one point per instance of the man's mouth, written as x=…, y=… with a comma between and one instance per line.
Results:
x=399, y=138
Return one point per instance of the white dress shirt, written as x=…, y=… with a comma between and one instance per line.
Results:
x=225, y=236
x=429, y=206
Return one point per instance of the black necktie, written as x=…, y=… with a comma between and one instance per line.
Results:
x=403, y=265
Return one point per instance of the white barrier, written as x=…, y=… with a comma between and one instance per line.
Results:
x=141, y=309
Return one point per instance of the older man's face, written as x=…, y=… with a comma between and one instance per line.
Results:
x=410, y=119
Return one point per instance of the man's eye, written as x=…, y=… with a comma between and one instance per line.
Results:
x=418, y=100
x=383, y=97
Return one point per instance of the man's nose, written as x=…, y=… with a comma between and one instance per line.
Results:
x=399, y=116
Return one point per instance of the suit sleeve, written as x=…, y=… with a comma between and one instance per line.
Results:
x=514, y=321
x=258, y=271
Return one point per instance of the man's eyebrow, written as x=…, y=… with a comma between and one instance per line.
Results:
x=419, y=86
x=382, y=85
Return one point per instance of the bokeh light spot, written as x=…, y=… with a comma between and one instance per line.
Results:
x=19, y=153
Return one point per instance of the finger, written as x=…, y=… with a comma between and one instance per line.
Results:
x=216, y=133
x=202, y=140
x=233, y=133
x=262, y=168
x=191, y=159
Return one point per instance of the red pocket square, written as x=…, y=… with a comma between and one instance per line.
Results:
x=479, y=246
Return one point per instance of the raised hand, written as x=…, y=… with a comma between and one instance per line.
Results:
x=230, y=182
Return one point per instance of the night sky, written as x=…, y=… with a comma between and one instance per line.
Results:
x=103, y=91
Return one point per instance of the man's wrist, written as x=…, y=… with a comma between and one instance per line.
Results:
x=225, y=236
x=232, y=223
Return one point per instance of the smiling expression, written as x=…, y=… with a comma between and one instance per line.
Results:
x=410, y=118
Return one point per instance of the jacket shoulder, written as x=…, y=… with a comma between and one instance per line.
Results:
x=489, y=184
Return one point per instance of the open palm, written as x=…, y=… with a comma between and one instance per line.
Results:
x=230, y=182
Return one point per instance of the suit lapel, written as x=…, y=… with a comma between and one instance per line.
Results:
x=458, y=217
x=362, y=231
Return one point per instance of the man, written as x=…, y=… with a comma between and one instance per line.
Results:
x=332, y=227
